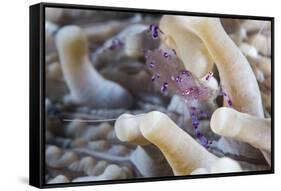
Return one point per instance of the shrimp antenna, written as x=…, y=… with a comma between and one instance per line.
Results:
x=102, y=120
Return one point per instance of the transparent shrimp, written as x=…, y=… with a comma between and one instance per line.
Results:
x=168, y=71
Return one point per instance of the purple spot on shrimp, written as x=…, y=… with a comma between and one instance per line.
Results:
x=209, y=75
x=164, y=87
x=154, y=27
x=187, y=91
x=195, y=124
x=155, y=35
x=204, y=142
x=229, y=102
x=166, y=55
x=154, y=31
x=185, y=72
x=152, y=64
x=178, y=79
x=198, y=134
x=153, y=78
x=115, y=44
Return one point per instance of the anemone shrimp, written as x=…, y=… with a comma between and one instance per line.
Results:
x=168, y=71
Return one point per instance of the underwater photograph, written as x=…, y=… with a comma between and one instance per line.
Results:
x=133, y=95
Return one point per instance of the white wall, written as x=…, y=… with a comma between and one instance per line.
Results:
x=14, y=104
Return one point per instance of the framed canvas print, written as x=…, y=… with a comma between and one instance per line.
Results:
x=121, y=95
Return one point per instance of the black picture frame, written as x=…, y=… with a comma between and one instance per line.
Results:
x=37, y=94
